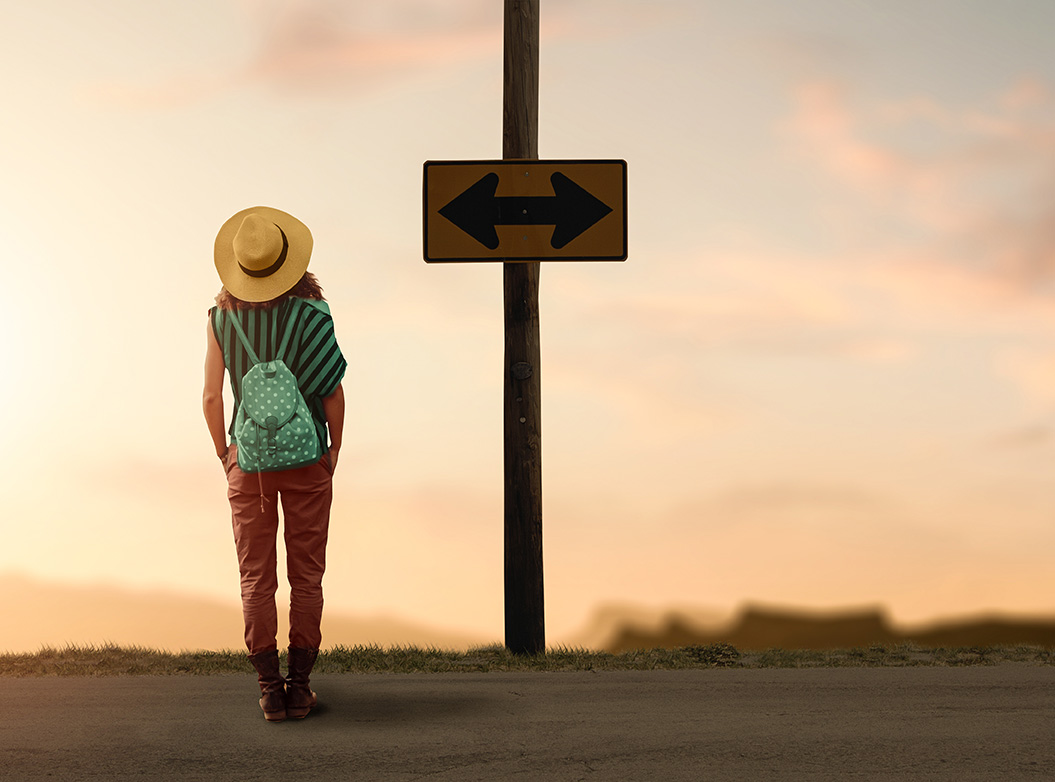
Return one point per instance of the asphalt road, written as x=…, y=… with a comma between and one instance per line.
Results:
x=880, y=723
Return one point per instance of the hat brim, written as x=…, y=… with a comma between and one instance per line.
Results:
x=247, y=288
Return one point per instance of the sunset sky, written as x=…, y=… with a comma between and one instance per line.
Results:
x=825, y=376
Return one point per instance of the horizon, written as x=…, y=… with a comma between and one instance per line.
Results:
x=60, y=615
x=825, y=375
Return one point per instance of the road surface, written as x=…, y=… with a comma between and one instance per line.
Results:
x=977, y=723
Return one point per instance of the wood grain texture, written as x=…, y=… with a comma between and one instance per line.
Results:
x=524, y=602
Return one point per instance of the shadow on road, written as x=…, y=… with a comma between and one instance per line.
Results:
x=341, y=702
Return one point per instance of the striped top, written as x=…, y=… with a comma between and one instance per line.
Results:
x=312, y=353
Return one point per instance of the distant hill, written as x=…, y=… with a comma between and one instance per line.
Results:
x=761, y=628
x=609, y=621
x=36, y=613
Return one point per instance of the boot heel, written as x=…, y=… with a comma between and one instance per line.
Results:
x=273, y=716
x=304, y=704
x=299, y=697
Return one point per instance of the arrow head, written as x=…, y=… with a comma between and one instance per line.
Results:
x=476, y=211
x=576, y=209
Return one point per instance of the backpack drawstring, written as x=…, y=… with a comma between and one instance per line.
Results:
x=260, y=480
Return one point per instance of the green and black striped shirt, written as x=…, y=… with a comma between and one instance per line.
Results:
x=312, y=353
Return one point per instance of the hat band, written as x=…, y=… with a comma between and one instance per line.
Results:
x=276, y=265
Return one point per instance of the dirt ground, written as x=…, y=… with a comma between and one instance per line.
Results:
x=977, y=723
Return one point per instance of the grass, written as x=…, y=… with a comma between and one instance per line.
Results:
x=109, y=660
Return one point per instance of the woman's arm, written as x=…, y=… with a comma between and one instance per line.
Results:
x=333, y=405
x=212, y=396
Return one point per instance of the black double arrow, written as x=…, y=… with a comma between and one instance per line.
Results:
x=570, y=210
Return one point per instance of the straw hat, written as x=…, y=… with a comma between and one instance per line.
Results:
x=261, y=253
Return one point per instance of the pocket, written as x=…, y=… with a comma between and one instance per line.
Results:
x=230, y=459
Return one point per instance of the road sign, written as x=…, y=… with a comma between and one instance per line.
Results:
x=525, y=210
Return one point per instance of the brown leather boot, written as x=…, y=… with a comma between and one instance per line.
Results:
x=299, y=697
x=273, y=698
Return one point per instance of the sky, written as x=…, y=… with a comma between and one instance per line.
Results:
x=824, y=377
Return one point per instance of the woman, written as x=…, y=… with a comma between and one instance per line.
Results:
x=262, y=255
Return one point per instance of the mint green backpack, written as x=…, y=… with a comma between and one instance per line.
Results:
x=273, y=429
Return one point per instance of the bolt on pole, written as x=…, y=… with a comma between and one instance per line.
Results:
x=525, y=631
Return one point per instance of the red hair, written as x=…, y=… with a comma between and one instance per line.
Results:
x=307, y=288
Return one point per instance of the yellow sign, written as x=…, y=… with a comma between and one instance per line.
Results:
x=525, y=210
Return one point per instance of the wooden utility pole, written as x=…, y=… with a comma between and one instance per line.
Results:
x=524, y=604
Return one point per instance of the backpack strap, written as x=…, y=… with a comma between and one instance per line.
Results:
x=245, y=340
x=285, y=337
x=290, y=318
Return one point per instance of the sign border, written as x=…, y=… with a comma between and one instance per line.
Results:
x=517, y=162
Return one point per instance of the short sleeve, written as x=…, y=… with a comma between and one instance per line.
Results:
x=214, y=319
x=320, y=363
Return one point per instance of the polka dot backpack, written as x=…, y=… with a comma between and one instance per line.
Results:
x=273, y=428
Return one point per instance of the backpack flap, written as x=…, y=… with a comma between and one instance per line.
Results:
x=269, y=390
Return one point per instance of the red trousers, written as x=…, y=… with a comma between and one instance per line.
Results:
x=305, y=494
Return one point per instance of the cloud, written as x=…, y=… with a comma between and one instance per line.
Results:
x=310, y=47
x=319, y=47
x=975, y=184
x=1027, y=437
x=1032, y=372
x=824, y=122
x=730, y=294
x=306, y=43
x=750, y=498
x=752, y=300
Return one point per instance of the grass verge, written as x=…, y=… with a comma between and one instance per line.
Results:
x=109, y=660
